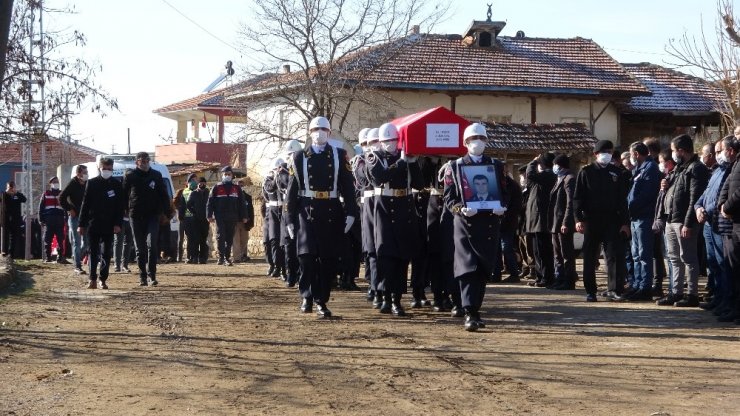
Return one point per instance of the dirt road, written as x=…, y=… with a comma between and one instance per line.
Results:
x=226, y=340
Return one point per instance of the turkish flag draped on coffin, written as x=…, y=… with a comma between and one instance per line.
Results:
x=437, y=131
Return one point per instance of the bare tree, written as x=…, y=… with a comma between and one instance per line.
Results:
x=728, y=18
x=717, y=59
x=69, y=81
x=315, y=55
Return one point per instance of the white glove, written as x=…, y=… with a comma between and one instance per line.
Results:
x=291, y=231
x=348, y=223
x=407, y=158
x=468, y=212
x=499, y=212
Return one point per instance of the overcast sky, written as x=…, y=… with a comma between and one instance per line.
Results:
x=153, y=56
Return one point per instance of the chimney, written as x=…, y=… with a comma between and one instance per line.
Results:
x=286, y=69
x=415, y=29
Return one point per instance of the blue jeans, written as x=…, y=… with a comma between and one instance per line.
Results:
x=508, y=245
x=78, y=242
x=716, y=262
x=643, y=241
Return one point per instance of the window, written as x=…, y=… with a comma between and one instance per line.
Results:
x=485, y=39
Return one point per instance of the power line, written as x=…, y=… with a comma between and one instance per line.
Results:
x=200, y=27
x=640, y=52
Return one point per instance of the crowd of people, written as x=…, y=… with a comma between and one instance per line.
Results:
x=450, y=224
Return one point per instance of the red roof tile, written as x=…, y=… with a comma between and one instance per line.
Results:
x=565, y=137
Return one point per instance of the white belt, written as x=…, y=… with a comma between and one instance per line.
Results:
x=274, y=204
x=319, y=194
x=434, y=191
x=368, y=194
x=391, y=192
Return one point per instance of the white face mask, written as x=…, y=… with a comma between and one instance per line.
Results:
x=375, y=146
x=556, y=169
x=603, y=158
x=320, y=137
x=84, y=177
x=676, y=158
x=227, y=178
x=54, y=186
x=106, y=173
x=390, y=146
x=633, y=161
x=476, y=147
x=661, y=168
x=522, y=181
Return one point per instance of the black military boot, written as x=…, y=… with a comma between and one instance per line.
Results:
x=284, y=274
x=396, y=307
x=271, y=270
x=386, y=306
x=378, y=299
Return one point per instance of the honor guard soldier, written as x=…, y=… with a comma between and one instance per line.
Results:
x=363, y=180
x=51, y=216
x=393, y=174
x=288, y=243
x=226, y=207
x=273, y=214
x=352, y=256
x=476, y=234
x=316, y=218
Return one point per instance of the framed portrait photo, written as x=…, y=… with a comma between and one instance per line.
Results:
x=480, y=187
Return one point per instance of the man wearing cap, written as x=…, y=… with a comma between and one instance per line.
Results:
x=179, y=201
x=476, y=233
x=198, y=229
x=101, y=216
x=317, y=220
x=226, y=208
x=148, y=203
x=600, y=209
x=561, y=224
x=51, y=216
x=71, y=201
x=541, y=181
x=393, y=175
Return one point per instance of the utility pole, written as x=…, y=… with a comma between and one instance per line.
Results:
x=128, y=134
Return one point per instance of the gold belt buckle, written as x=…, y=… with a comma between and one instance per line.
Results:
x=399, y=192
x=321, y=194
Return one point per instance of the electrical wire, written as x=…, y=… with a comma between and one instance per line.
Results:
x=200, y=27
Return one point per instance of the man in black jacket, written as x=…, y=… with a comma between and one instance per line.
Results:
x=71, y=201
x=561, y=223
x=198, y=227
x=541, y=181
x=148, y=206
x=682, y=227
x=239, y=250
x=226, y=207
x=101, y=216
x=600, y=210
x=12, y=200
x=729, y=203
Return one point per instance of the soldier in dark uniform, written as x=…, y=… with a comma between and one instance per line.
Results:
x=289, y=244
x=419, y=271
x=101, y=216
x=600, y=210
x=316, y=217
x=266, y=239
x=367, y=202
x=352, y=256
x=273, y=215
x=393, y=174
x=51, y=216
x=226, y=207
x=476, y=234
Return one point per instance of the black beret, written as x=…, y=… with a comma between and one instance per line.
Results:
x=563, y=161
x=226, y=169
x=603, y=146
x=192, y=176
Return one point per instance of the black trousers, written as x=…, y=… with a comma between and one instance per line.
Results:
x=225, y=237
x=472, y=290
x=54, y=227
x=604, y=234
x=196, y=231
x=278, y=255
x=146, y=237
x=453, y=285
x=96, y=239
x=316, y=277
x=371, y=263
x=731, y=249
x=392, y=275
x=291, y=260
x=181, y=238
x=12, y=241
x=565, y=258
x=437, y=279
x=543, y=257
x=122, y=243
x=419, y=275
x=658, y=258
